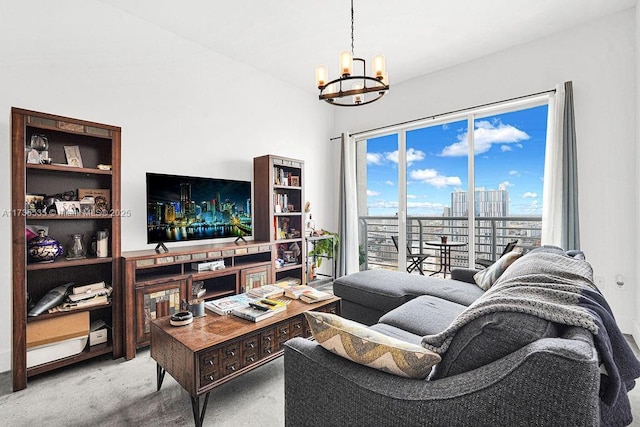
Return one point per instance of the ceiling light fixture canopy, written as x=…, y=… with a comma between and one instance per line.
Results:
x=350, y=90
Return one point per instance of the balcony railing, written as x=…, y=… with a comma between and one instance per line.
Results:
x=492, y=234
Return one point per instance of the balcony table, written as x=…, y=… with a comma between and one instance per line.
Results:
x=445, y=254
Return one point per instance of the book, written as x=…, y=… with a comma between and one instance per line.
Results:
x=226, y=305
x=314, y=295
x=276, y=306
x=288, y=281
x=252, y=314
x=266, y=291
x=80, y=293
x=294, y=292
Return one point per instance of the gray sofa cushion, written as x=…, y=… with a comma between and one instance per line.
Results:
x=490, y=338
x=385, y=290
x=424, y=315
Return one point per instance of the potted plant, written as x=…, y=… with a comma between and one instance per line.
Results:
x=324, y=248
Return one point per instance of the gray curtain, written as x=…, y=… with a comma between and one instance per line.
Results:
x=570, y=215
x=348, y=215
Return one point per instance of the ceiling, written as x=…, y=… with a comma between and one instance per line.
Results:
x=288, y=38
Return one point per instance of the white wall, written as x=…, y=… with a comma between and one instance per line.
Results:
x=599, y=58
x=182, y=109
x=636, y=324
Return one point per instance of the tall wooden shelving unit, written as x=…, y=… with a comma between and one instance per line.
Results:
x=278, y=185
x=98, y=144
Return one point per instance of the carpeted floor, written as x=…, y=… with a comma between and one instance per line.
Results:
x=105, y=392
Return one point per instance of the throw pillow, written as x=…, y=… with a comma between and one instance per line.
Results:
x=487, y=277
x=358, y=343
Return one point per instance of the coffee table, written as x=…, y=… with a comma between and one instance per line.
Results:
x=215, y=349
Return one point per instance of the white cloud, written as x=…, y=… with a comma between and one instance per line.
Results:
x=514, y=173
x=530, y=195
x=504, y=185
x=390, y=183
x=411, y=196
x=504, y=148
x=432, y=177
x=374, y=158
x=382, y=204
x=485, y=135
x=413, y=155
x=371, y=193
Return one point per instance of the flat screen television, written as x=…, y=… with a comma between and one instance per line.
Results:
x=183, y=208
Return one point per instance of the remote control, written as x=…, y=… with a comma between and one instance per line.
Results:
x=259, y=306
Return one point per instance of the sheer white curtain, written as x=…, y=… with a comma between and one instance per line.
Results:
x=348, y=250
x=552, y=184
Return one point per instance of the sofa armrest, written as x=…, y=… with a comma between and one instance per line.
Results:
x=463, y=274
x=550, y=380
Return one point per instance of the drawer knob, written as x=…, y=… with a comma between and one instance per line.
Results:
x=210, y=362
x=210, y=377
x=231, y=353
x=231, y=368
x=251, y=344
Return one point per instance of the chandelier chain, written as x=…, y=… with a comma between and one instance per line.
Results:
x=352, y=48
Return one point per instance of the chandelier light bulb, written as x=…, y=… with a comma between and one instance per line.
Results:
x=378, y=66
x=322, y=75
x=346, y=63
x=357, y=99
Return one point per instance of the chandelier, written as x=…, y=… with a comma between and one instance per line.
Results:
x=351, y=90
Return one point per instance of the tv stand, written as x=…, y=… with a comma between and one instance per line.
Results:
x=161, y=247
x=156, y=283
x=240, y=238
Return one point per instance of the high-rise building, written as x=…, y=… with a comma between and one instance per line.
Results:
x=487, y=202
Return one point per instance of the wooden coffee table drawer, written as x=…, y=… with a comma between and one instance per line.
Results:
x=230, y=358
x=209, y=367
x=268, y=339
x=250, y=350
x=283, y=333
x=296, y=327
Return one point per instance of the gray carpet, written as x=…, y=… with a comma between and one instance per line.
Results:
x=109, y=392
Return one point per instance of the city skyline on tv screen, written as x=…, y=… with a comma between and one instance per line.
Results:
x=181, y=208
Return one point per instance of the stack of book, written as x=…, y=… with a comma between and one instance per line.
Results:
x=314, y=295
x=251, y=313
x=87, y=296
x=294, y=292
x=266, y=291
x=226, y=305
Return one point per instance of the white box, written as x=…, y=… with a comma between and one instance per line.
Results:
x=207, y=265
x=54, y=351
x=98, y=337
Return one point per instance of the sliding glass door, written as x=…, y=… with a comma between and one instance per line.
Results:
x=414, y=187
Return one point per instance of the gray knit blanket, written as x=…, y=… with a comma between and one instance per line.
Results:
x=547, y=284
x=551, y=285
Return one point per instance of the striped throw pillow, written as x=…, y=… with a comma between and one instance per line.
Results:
x=487, y=277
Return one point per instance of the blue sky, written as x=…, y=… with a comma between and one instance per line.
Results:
x=509, y=152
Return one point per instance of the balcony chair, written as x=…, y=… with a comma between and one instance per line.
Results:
x=484, y=262
x=414, y=260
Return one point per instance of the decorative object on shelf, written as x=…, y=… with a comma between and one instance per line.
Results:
x=72, y=152
x=443, y=239
x=34, y=203
x=350, y=90
x=324, y=248
x=51, y=299
x=43, y=248
x=102, y=243
x=77, y=249
x=40, y=143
